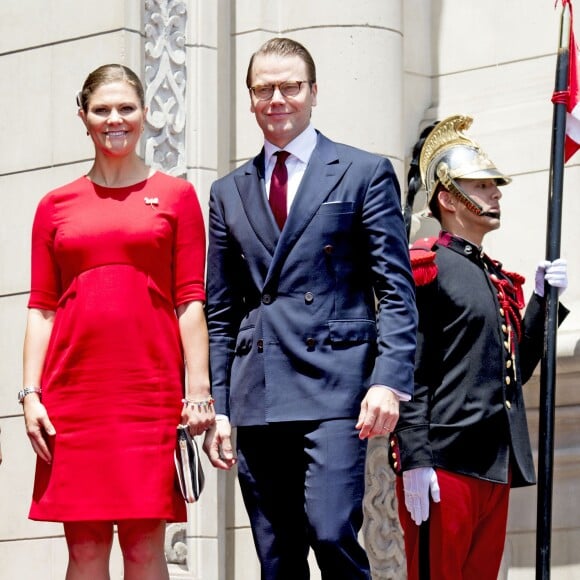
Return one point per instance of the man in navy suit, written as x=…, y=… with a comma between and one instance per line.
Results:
x=312, y=325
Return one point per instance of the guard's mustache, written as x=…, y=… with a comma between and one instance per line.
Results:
x=491, y=213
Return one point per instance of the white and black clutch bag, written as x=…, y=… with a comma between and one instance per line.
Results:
x=190, y=477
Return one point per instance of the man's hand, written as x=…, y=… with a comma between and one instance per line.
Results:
x=417, y=483
x=379, y=413
x=217, y=444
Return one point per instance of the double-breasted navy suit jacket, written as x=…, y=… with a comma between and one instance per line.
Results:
x=303, y=322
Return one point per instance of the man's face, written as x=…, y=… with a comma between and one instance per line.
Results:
x=486, y=193
x=282, y=118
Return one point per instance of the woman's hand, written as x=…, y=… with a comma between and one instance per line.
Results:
x=198, y=414
x=38, y=426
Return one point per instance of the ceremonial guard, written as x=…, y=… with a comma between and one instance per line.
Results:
x=463, y=440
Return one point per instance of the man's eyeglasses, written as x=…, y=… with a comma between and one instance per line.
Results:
x=287, y=89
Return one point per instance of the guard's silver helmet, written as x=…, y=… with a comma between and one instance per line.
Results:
x=448, y=155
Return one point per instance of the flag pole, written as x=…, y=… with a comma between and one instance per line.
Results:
x=548, y=365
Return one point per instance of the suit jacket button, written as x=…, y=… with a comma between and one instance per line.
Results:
x=508, y=404
x=310, y=342
x=328, y=249
x=260, y=344
x=308, y=297
x=266, y=299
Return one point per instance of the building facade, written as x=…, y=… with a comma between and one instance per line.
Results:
x=385, y=69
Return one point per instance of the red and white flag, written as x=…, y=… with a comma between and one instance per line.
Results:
x=573, y=94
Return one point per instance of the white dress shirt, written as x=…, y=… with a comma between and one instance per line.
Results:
x=300, y=150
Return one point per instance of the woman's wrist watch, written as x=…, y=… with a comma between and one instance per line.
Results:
x=26, y=391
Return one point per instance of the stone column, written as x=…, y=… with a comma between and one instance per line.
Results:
x=180, y=62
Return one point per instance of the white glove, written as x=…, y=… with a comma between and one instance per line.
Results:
x=554, y=273
x=417, y=483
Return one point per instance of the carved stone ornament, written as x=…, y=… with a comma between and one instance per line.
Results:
x=383, y=537
x=165, y=85
x=176, y=544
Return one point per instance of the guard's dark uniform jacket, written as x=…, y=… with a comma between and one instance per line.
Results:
x=474, y=352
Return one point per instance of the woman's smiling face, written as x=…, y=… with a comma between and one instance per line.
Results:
x=114, y=118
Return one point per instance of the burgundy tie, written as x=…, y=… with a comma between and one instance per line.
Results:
x=279, y=189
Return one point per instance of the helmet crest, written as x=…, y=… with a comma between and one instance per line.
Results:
x=448, y=155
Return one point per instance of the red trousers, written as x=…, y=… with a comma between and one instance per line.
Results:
x=467, y=529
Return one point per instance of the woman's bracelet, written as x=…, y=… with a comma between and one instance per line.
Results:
x=199, y=404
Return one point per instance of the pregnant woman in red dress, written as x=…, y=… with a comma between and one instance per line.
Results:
x=116, y=306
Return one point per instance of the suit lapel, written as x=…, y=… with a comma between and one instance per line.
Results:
x=252, y=192
x=324, y=171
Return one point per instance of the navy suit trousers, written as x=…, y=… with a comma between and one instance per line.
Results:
x=303, y=486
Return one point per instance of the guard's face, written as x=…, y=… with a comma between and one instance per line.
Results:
x=282, y=118
x=487, y=194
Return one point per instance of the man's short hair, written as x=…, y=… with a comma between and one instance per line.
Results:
x=284, y=47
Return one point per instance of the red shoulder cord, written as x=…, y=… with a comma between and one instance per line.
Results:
x=510, y=295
